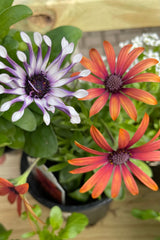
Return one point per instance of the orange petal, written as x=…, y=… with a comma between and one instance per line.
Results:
x=92, y=180
x=143, y=177
x=129, y=180
x=12, y=196
x=140, y=131
x=22, y=189
x=93, y=79
x=147, y=147
x=143, y=77
x=99, y=104
x=93, y=93
x=4, y=190
x=122, y=57
x=75, y=74
x=116, y=182
x=19, y=205
x=140, y=95
x=128, y=106
x=89, y=64
x=87, y=168
x=88, y=160
x=123, y=138
x=88, y=149
x=156, y=135
x=131, y=57
x=111, y=57
x=99, y=139
x=147, y=156
x=5, y=182
x=140, y=67
x=103, y=181
x=96, y=58
x=114, y=106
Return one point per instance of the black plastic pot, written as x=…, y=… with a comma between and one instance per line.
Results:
x=156, y=173
x=94, y=210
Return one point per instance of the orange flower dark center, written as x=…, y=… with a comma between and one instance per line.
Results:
x=37, y=85
x=12, y=189
x=113, y=83
x=119, y=157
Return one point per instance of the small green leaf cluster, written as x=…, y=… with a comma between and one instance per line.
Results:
x=55, y=227
x=4, y=234
x=146, y=214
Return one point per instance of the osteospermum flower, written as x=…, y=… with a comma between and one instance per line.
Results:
x=117, y=163
x=14, y=192
x=39, y=82
x=113, y=82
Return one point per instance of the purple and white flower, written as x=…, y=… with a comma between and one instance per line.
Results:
x=39, y=81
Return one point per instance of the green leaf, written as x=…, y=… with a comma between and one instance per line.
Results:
x=72, y=34
x=28, y=234
x=69, y=181
x=4, y=234
x=4, y=140
x=81, y=197
x=37, y=210
x=145, y=214
x=1, y=151
x=27, y=122
x=12, y=15
x=10, y=134
x=5, y=4
x=56, y=218
x=41, y=143
x=143, y=166
x=75, y=224
x=46, y=235
x=18, y=139
x=57, y=167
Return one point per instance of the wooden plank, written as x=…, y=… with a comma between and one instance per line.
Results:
x=117, y=224
x=91, y=15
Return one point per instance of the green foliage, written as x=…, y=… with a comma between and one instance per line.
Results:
x=72, y=34
x=56, y=218
x=41, y=143
x=75, y=224
x=146, y=214
x=80, y=197
x=55, y=228
x=10, y=15
x=10, y=135
x=4, y=234
x=27, y=122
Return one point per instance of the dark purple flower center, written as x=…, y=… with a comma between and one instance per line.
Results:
x=119, y=157
x=37, y=85
x=113, y=83
x=12, y=189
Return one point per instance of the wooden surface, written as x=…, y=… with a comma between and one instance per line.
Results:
x=118, y=224
x=91, y=15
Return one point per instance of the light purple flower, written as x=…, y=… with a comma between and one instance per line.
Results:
x=39, y=81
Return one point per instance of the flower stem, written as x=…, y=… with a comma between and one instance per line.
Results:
x=23, y=178
x=108, y=131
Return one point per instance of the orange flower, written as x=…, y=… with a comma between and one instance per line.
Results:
x=117, y=163
x=14, y=192
x=113, y=82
